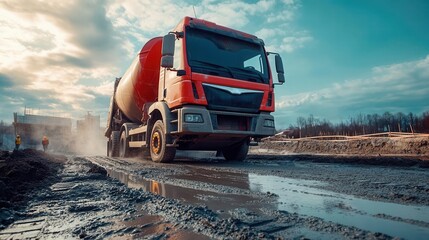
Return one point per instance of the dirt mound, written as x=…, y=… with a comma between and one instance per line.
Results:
x=418, y=146
x=22, y=172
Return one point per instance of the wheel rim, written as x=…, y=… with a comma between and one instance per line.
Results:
x=156, y=143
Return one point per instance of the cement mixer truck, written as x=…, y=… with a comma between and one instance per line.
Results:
x=200, y=87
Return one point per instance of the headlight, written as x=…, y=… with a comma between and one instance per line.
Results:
x=269, y=123
x=193, y=118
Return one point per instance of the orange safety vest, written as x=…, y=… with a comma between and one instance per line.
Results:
x=45, y=141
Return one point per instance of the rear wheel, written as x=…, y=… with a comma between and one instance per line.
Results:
x=237, y=152
x=124, y=149
x=114, y=144
x=108, y=147
x=159, y=152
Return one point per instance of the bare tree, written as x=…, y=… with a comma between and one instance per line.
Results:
x=363, y=124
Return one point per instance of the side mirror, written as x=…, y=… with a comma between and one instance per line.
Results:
x=280, y=69
x=167, y=61
x=167, y=51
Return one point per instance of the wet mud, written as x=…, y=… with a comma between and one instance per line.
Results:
x=21, y=174
x=206, y=198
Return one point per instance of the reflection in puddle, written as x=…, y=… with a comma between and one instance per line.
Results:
x=230, y=179
x=133, y=181
x=302, y=197
x=216, y=201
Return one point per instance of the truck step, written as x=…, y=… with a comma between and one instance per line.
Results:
x=138, y=130
x=137, y=144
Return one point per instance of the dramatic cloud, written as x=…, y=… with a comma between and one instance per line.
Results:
x=234, y=13
x=47, y=47
x=402, y=87
x=141, y=20
x=277, y=31
x=62, y=57
x=150, y=17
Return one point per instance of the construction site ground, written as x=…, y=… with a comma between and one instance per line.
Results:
x=273, y=194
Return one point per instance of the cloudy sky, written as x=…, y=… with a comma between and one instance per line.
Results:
x=342, y=58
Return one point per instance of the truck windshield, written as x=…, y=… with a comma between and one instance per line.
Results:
x=220, y=55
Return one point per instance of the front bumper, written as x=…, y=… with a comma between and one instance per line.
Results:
x=223, y=123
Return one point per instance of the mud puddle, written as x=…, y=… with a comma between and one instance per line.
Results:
x=229, y=179
x=292, y=195
x=303, y=197
x=142, y=224
x=219, y=202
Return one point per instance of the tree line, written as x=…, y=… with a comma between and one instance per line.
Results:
x=360, y=125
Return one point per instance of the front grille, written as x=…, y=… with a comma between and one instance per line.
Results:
x=224, y=100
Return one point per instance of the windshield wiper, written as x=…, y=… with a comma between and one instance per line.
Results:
x=215, y=65
x=252, y=73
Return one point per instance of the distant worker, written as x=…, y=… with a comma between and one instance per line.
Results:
x=45, y=143
x=17, y=142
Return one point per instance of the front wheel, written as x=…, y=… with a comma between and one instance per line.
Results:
x=159, y=152
x=237, y=152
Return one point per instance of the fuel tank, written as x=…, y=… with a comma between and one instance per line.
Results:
x=139, y=85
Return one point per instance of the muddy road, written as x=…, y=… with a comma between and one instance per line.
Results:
x=200, y=196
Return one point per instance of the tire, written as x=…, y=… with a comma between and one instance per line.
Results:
x=237, y=152
x=108, y=148
x=114, y=144
x=159, y=152
x=124, y=149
